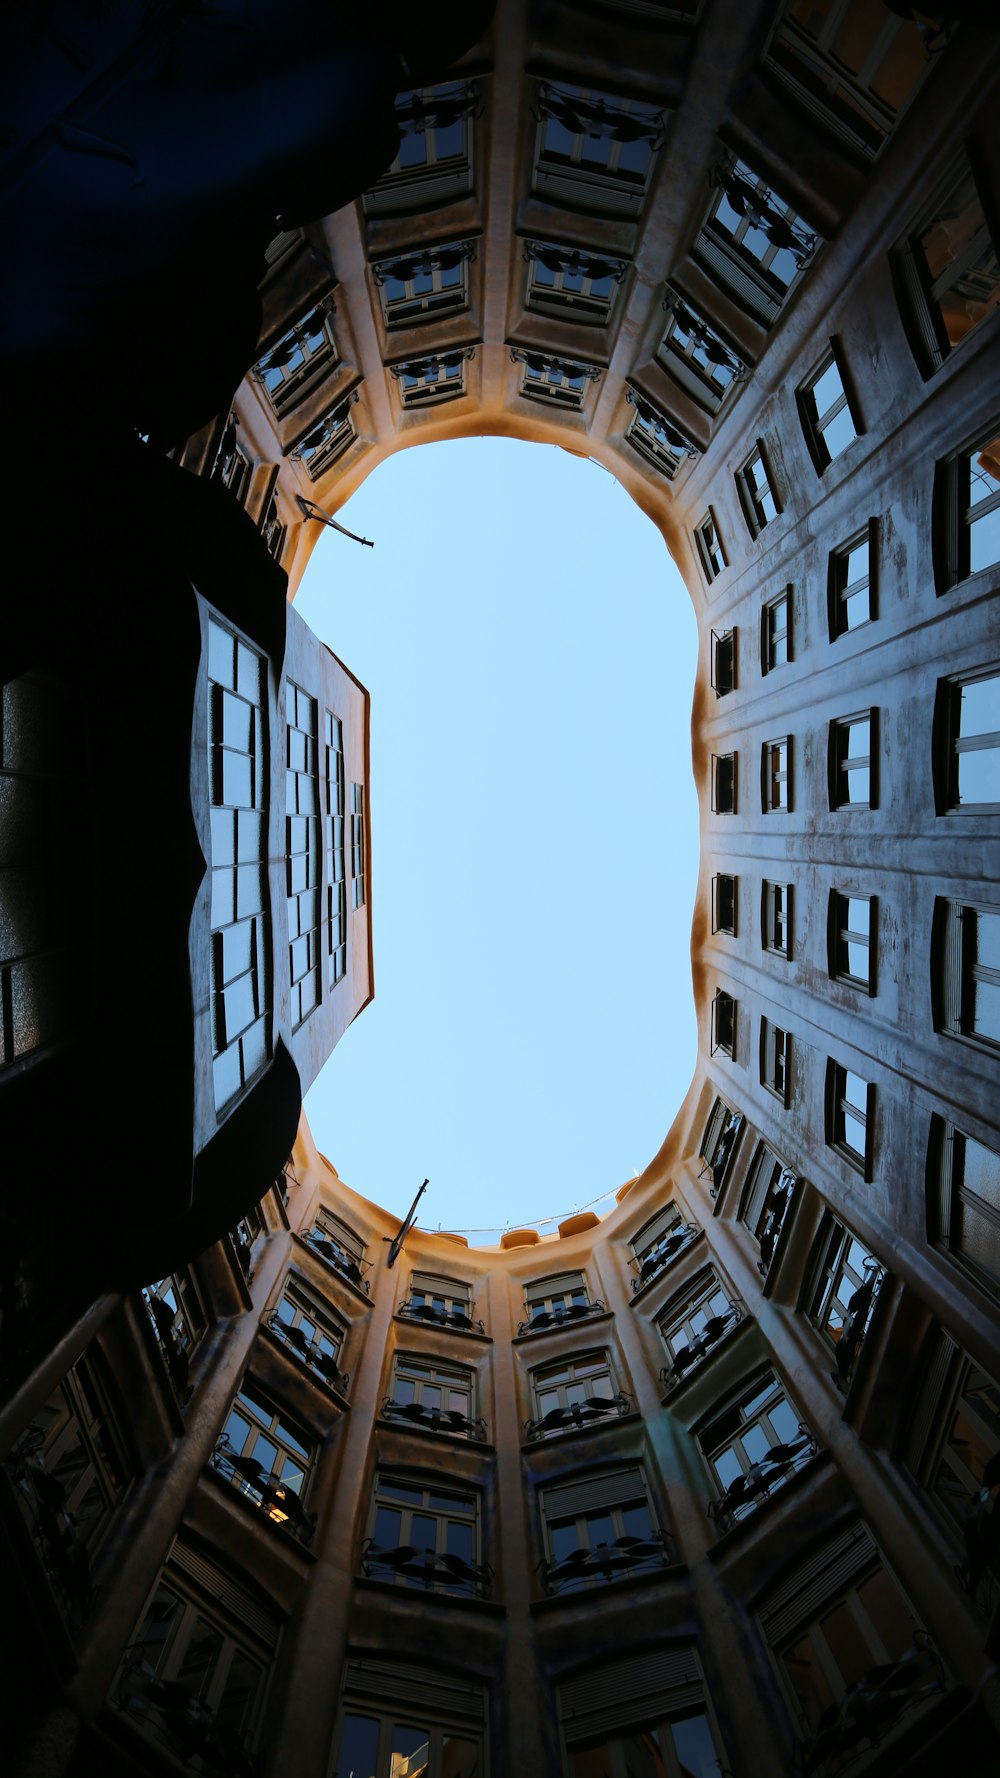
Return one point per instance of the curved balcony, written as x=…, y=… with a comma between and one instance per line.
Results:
x=174, y=1356
x=434, y=1419
x=434, y=1316
x=712, y=1334
x=774, y=1218
x=166, y=1710
x=563, y=1316
x=592, y=1410
x=308, y=1352
x=665, y=1251
x=279, y=1503
x=433, y=1570
x=351, y=1269
x=745, y=1494
x=871, y=1708
x=718, y=1165
x=857, y=1321
x=627, y=1556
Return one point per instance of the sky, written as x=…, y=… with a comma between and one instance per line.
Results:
x=530, y=651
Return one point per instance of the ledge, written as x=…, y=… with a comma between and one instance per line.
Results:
x=255, y=1517
x=424, y=1596
x=300, y=1369
x=451, y=1333
x=602, y=1589
x=565, y=1434
x=576, y=1328
x=413, y=1429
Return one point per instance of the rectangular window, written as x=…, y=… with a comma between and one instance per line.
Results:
x=724, y=783
x=948, y=270
x=952, y=1446
x=851, y=63
x=851, y=1116
x=776, y=1060
x=658, y=1243
x=572, y=282
x=776, y=632
x=756, y=492
x=245, y=1236
x=357, y=845
x=341, y=1248
x=445, y=1302
x=434, y=162
x=724, y=902
x=724, y=1023
x=268, y=1459
x=968, y=949
x=825, y=412
x=573, y=1392
x=552, y=1302
x=593, y=149
x=694, y=1325
x=724, y=662
x=766, y=1203
x=852, y=583
x=326, y=442
x=853, y=929
x=843, y=1288
x=304, y=354
x=336, y=887
x=972, y=708
x=697, y=356
x=271, y=528
x=854, y=761
x=439, y=1397
x=967, y=512
x=307, y=1328
x=423, y=382
x=424, y=285
x=752, y=1448
x=559, y=382
x=644, y=1716
x=178, y=1316
x=776, y=918
x=425, y=1534
x=403, y=1721
x=658, y=440
x=719, y=1142
x=963, y=1202
x=233, y=467
x=708, y=543
x=238, y=771
x=302, y=854
x=776, y=775
x=600, y=1529
x=752, y=243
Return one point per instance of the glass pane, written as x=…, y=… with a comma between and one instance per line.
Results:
x=459, y=1758
x=979, y=712
x=858, y=961
x=981, y=1173
x=838, y=434
x=986, y=1011
x=358, y=1748
x=695, y=1748
x=827, y=389
x=235, y=1706
x=202, y=1652
x=984, y=540
x=888, y=1615
x=979, y=775
x=409, y=1755
x=849, y=1651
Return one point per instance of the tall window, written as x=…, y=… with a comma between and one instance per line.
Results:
x=434, y=162
x=240, y=964
x=752, y=1447
x=766, y=1203
x=776, y=775
x=268, y=1458
x=568, y=281
x=694, y=1325
x=724, y=783
x=718, y=1145
x=421, y=286
x=311, y=1331
x=302, y=356
x=426, y=1392
x=403, y=1721
x=553, y=1301
x=776, y=631
x=658, y=1243
x=178, y=1316
x=853, y=931
x=842, y=1292
x=708, y=543
x=232, y=466
x=571, y=1392
x=593, y=149
x=599, y=1529
x=852, y=587
x=967, y=511
x=968, y=945
x=724, y=903
x=854, y=761
x=776, y=1060
x=756, y=492
x=752, y=242
x=439, y=1298
x=971, y=712
x=358, y=861
x=949, y=270
x=851, y=62
x=963, y=1202
x=425, y=1534
x=336, y=887
x=644, y=1716
x=302, y=854
x=724, y=663
x=850, y=1116
x=724, y=1023
x=340, y=1247
x=697, y=356
x=776, y=918
x=825, y=410
x=952, y=1445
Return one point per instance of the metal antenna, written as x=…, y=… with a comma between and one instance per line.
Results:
x=396, y=1244
x=311, y=511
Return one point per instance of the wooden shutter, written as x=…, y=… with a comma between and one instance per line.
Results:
x=630, y=1694
x=612, y=1488
x=232, y=1599
x=823, y=1577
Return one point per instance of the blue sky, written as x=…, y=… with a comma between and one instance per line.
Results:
x=530, y=651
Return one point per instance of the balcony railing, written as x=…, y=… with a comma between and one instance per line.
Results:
x=351, y=1269
x=871, y=1707
x=857, y=1321
x=689, y=1357
x=627, y=1556
x=980, y=1572
x=434, y=1570
x=279, y=1503
x=762, y=211
x=663, y=1254
x=561, y=1316
x=174, y=1356
x=774, y=1218
x=745, y=1494
x=61, y=1550
x=180, y=1720
x=435, y=1419
x=718, y=1164
x=438, y=1316
x=309, y=1352
x=582, y=1413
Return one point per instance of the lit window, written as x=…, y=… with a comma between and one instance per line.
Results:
x=401, y=1721
x=853, y=762
x=719, y=1142
x=336, y=886
x=658, y=1243
x=776, y=632
x=724, y=1023
x=439, y=1397
x=756, y=492
x=697, y=357
x=423, y=285
x=341, y=1248
x=268, y=1459
x=766, y=1202
x=593, y=149
x=971, y=710
x=178, y=1316
x=445, y=1302
x=695, y=1325
x=851, y=1116
x=357, y=845
x=776, y=918
x=425, y=1534
x=952, y=1446
x=300, y=358
x=554, y=1301
x=843, y=1289
x=561, y=382
x=302, y=864
x=599, y=1529
x=963, y=1201
x=776, y=1060
x=307, y=1328
x=853, y=927
x=572, y=282
x=967, y=943
x=238, y=772
x=967, y=512
x=724, y=900
x=752, y=242
x=776, y=775
x=724, y=783
x=434, y=162
x=752, y=1448
x=825, y=411
x=852, y=583
x=573, y=1392
x=852, y=62
x=708, y=543
x=645, y=1716
x=949, y=271
x=423, y=382
x=663, y=445
x=723, y=662
x=325, y=443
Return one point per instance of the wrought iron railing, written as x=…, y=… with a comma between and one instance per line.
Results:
x=667, y=433
x=980, y=1572
x=574, y=262
x=309, y=1352
x=757, y=205
x=597, y=119
x=561, y=1316
x=857, y=1321
x=174, y=1355
x=538, y=364
x=714, y=348
x=441, y=1317
x=747, y=1491
x=719, y=1163
x=871, y=1707
x=416, y=1413
x=434, y=1570
x=774, y=1218
x=690, y=1356
x=175, y=1716
x=592, y=1409
x=663, y=1254
x=605, y=1562
x=274, y=1498
x=351, y=1269
x=425, y=261
x=60, y=1547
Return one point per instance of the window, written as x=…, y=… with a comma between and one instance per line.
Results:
x=422, y=382
x=851, y=62
x=766, y=1203
x=326, y=442
x=600, y=1528
x=853, y=932
x=971, y=711
x=719, y=1142
x=694, y=1326
x=238, y=772
x=967, y=512
x=551, y=1302
x=724, y=662
x=752, y=243
x=825, y=411
x=854, y=761
x=645, y=1716
x=336, y=887
x=302, y=854
x=571, y=282
x=776, y=918
x=708, y=543
x=232, y=466
x=662, y=444
x=357, y=845
x=560, y=382
x=724, y=783
x=340, y=1247
x=776, y=1060
x=307, y=1328
x=447, y=1302
x=434, y=162
x=271, y=528
x=952, y=1446
x=299, y=360
x=423, y=285
x=752, y=1448
x=658, y=1243
x=948, y=271
x=178, y=1316
x=403, y=1721
x=852, y=583
x=842, y=1292
x=724, y=902
x=268, y=1459
x=851, y=1114
x=697, y=356
x=245, y=1236
x=425, y=1534
x=963, y=1202
x=578, y=1391
x=724, y=1023
x=756, y=492
x=594, y=150
x=776, y=775
x=195, y=1674
x=776, y=632
x=441, y=1397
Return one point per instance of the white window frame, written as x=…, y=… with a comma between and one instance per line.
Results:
x=845, y=764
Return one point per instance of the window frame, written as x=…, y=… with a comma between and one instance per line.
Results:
x=840, y=591
x=919, y=291
x=772, y=919
x=724, y=781
x=559, y=1378
x=416, y=307
x=613, y=1483
x=725, y=904
x=839, y=1105
x=682, y=363
x=840, y=937
x=962, y=1222
x=958, y=969
x=359, y=860
x=398, y=1694
x=755, y=494
x=812, y=71
x=436, y=178
x=764, y=1392
x=303, y=869
x=776, y=1051
x=776, y=775
x=709, y=545
x=956, y=512
x=724, y=661
x=840, y=1258
x=724, y=1023
x=842, y=764
x=815, y=424
x=323, y=1350
x=562, y=179
x=476, y=1582
x=554, y=299
x=705, y=1291
x=747, y=278
x=316, y=361
x=767, y=1202
x=417, y=1374
x=771, y=636
x=297, y=1453
x=950, y=744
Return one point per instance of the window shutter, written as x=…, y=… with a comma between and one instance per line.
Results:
x=730, y=274
x=225, y=1592
x=755, y=1194
x=589, y=1495
x=921, y=1420
x=825, y=1575
x=562, y=1283
x=401, y=1685
x=632, y=1693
